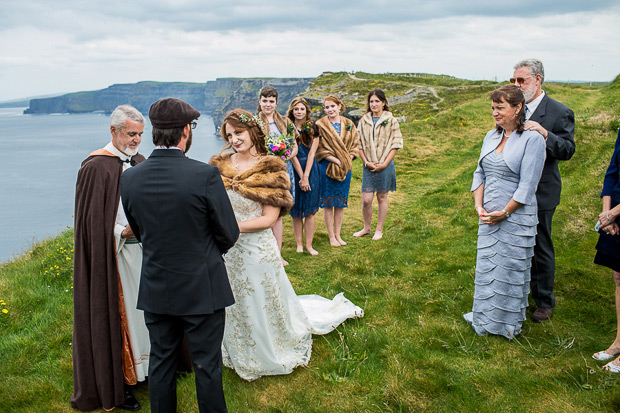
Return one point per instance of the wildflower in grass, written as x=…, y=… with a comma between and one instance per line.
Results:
x=5, y=311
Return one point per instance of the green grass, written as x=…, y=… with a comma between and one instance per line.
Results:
x=412, y=351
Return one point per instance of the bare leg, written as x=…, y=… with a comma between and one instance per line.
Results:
x=382, y=200
x=298, y=230
x=366, y=213
x=278, y=231
x=615, y=346
x=328, y=215
x=309, y=227
x=338, y=216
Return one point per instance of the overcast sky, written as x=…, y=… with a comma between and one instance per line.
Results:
x=73, y=45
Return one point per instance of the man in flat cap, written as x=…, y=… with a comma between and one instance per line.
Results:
x=179, y=210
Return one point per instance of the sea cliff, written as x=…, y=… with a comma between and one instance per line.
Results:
x=214, y=97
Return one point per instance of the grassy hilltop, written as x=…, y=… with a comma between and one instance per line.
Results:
x=412, y=351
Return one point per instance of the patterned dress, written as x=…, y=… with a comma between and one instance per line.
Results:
x=269, y=328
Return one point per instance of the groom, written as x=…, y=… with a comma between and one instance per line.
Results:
x=179, y=210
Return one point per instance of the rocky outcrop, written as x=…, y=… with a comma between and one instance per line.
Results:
x=223, y=95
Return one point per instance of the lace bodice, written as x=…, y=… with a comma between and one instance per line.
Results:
x=244, y=208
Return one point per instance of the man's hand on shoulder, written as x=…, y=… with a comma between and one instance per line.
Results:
x=535, y=126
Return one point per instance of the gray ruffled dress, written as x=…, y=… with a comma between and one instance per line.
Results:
x=505, y=249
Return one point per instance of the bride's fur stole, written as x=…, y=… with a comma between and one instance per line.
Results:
x=266, y=182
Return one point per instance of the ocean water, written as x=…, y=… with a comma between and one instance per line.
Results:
x=39, y=159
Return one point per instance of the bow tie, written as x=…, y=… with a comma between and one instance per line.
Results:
x=129, y=161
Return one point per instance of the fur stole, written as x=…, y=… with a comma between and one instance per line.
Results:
x=378, y=139
x=345, y=146
x=266, y=182
x=284, y=124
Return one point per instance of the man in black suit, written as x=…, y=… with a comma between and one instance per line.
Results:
x=179, y=210
x=556, y=123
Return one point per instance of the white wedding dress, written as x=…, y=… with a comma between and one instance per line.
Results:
x=269, y=328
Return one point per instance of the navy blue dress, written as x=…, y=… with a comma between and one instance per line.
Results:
x=306, y=202
x=334, y=193
x=608, y=246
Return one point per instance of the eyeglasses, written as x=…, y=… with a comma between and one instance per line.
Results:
x=519, y=80
x=193, y=125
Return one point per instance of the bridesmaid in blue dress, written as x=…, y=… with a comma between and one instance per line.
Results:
x=277, y=124
x=338, y=146
x=504, y=186
x=306, y=175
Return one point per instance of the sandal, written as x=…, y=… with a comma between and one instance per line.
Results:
x=603, y=356
x=611, y=367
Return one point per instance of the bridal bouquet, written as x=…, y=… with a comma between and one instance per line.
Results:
x=280, y=145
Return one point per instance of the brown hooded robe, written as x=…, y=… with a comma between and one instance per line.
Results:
x=98, y=376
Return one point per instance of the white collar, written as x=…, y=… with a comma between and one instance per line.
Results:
x=114, y=151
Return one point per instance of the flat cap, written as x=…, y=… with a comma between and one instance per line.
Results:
x=171, y=113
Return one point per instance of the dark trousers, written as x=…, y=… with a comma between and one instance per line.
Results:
x=204, y=334
x=543, y=262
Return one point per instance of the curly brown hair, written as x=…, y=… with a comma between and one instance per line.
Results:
x=243, y=120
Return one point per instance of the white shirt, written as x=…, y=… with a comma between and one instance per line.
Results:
x=121, y=219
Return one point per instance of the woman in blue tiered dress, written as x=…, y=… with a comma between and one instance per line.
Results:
x=338, y=146
x=504, y=187
x=306, y=175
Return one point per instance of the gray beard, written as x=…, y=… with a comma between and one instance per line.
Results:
x=130, y=152
x=529, y=94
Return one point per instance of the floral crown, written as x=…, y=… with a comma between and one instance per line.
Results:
x=249, y=119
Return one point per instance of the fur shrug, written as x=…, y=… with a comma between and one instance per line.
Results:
x=378, y=139
x=282, y=123
x=266, y=182
x=345, y=146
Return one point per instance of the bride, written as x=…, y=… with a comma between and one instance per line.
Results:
x=269, y=328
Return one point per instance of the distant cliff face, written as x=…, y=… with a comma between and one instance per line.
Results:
x=215, y=97
x=140, y=95
x=223, y=95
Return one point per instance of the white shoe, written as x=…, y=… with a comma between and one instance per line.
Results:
x=611, y=367
x=603, y=356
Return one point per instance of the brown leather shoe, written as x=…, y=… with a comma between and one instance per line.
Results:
x=542, y=314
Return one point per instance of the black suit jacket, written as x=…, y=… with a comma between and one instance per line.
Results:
x=559, y=121
x=179, y=210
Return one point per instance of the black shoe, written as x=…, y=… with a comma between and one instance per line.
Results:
x=130, y=403
x=542, y=314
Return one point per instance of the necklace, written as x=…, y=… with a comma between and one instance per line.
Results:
x=242, y=166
